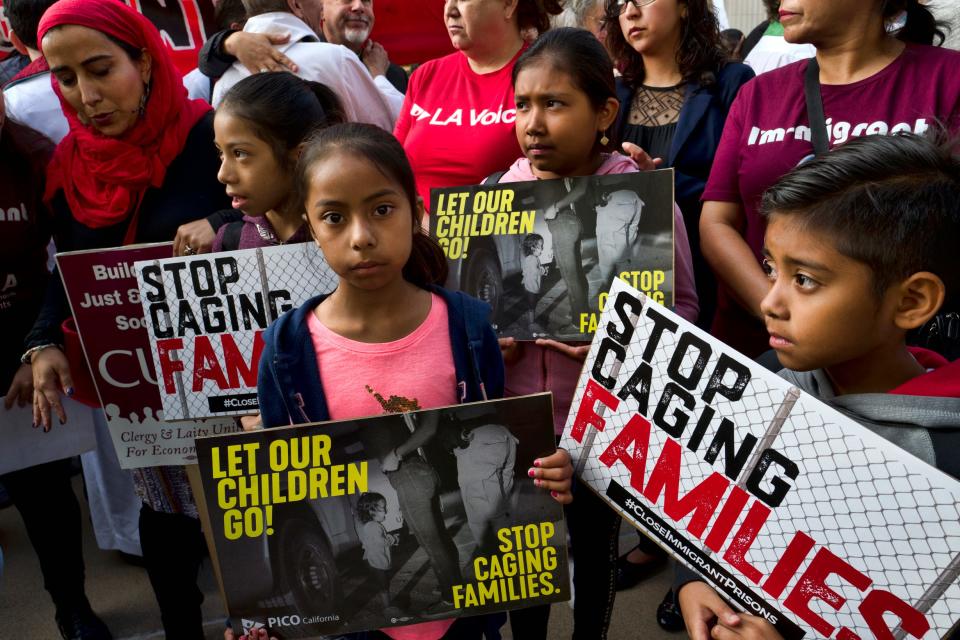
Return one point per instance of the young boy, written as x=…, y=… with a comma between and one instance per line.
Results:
x=861, y=248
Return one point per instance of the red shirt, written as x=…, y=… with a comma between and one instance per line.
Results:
x=456, y=125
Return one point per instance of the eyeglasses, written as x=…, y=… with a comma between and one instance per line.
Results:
x=622, y=4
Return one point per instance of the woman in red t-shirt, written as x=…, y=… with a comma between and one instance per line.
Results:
x=456, y=124
x=874, y=78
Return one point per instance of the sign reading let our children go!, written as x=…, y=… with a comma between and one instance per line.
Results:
x=542, y=253
x=356, y=505
x=788, y=508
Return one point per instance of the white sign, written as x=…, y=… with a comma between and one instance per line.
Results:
x=206, y=315
x=791, y=510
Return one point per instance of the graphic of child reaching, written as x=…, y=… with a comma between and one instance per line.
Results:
x=371, y=511
x=532, y=274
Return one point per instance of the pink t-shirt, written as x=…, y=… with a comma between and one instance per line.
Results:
x=456, y=125
x=767, y=134
x=364, y=379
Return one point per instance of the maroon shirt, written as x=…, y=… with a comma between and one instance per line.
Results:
x=257, y=232
x=24, y=235
x=767, y=134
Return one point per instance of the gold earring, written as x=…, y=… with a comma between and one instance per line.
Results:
x=604, y=141
x=143, y=99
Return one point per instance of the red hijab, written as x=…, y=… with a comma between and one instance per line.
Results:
x=104, y=178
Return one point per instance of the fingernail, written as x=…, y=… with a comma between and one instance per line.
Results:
x=69, y=391
x=554, y=494
x=538, y=482
x=537, y=462
x=62, y=421
x=531, y=472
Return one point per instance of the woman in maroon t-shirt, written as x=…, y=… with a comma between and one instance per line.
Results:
x=456, y=124
x=873, y=80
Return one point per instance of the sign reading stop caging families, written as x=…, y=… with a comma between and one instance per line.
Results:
x=206, y=316
x=102, y=289
x=788, y=508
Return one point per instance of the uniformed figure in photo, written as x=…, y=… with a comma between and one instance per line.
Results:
x=617, y=230
x=532, y=274
x=486, y=453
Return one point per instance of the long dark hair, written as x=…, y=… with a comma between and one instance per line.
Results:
x=283, y=110
x=699, y=54
x=889, y=202
x=921, y=28
x=427, y=264
x=580, y=55
x=535, y=14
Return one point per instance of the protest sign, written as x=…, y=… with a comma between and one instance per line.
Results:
x=389, y=520
x=544, y=253
x=206, y=315
x=791, y=510
x=25, y=445
x=101, y=286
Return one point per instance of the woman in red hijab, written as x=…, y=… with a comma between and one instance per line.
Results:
x=138, y=162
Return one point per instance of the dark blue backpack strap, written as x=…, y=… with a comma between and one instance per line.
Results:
x=494, y=178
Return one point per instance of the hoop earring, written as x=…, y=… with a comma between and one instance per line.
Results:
x=143, y=100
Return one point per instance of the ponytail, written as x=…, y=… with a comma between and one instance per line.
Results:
x=329, y=102
x=921, y=26
x=535, y=14
x=427, y=264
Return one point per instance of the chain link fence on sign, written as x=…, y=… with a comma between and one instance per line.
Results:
x=872, y=504
x=229, y=308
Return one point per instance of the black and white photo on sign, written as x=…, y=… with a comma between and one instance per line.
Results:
x=547, y=279
x=445, y=505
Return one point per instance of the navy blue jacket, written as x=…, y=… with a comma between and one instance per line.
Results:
x=695, y=142
x=289, y=388
x=702, y=117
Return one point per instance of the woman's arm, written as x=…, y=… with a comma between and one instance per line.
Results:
x=51, y=371
x=686, y=303
x=723, y=246
x=256, y=51
x=579, y=190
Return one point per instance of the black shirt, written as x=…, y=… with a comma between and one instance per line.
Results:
x=190, y=191
x=24, y=235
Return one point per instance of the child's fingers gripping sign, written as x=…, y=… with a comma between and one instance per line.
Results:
x=702, y=607
x=510, y=349
x=749, y=628
x=577, y=352
x=257, y=634
x=554, y=473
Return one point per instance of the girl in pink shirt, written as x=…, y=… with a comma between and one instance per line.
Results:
x=388, y=339
x=566, y=103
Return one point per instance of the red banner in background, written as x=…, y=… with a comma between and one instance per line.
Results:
x=184, y=24
x=412, y=31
